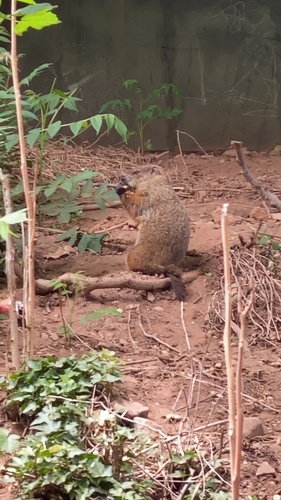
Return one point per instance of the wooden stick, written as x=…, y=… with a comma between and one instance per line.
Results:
x=227, y=346
x=29, y=199
x=272, y=199
x=13, y=336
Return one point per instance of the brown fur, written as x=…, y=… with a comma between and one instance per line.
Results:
x=162, y=221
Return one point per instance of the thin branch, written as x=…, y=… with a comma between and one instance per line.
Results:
x=271, y=198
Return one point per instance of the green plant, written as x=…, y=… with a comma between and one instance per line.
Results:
x=45, y=110
x=268, y=240
x=145, y=109
x=76, y=449
x=61, y=200
x=8, y=442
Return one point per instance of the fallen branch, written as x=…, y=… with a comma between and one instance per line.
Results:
x=129, y=280
x=272, y=199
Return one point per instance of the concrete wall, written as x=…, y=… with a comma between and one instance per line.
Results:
x=223, y=55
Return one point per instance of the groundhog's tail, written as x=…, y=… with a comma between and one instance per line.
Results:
x=176, y=283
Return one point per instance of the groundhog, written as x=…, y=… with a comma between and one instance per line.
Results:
x=162, y=221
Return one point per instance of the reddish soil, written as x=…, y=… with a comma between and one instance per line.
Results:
x=157, y=375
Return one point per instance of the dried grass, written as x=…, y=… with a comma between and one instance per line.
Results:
x=264, y=264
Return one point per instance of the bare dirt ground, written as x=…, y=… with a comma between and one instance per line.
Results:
x=158, y=375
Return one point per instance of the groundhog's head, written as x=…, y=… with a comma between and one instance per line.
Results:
x=140, y=177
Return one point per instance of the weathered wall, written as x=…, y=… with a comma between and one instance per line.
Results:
x=224, y=56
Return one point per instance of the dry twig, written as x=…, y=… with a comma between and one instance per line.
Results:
x=264, y=192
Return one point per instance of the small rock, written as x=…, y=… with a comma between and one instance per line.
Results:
x=252, y=427
x=276, y=216
x=218, y=366
x=105, y=345
x=159, y=309
x=278, y=441
x=265, y=469
x=147, y=426
x=173, y=417
x=150, y=297
x=53, y=336
x=216, y=216
x=131, y=409
x=276, y=151
x=129, y=307
x=230, y=153
x=259, y=213
x=153, y=374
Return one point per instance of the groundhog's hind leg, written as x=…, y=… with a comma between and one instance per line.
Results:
x=141, y=259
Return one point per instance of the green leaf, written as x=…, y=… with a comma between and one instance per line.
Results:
x=67, y=185
x=264, y=239
x=131, y=84
x=91, y=241
x=33, y=8
x=109, y=120
x=96, y=122
x=276, y=246
x=33, y=136
x=76, y=127
x=34, y=73
x=4, y=230
x=70, y=103
x=121, y=128
x=53, y=186
x=37, y=21
x=11, y=141
x=87, y=188
x=53, y=128
x=8, y=442
x=96, y=315
x=85, y=175
x=64, y=217
x=70, y=235
x=15, y=217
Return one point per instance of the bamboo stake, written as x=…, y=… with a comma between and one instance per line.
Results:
x=29, y=289
x=227, y=348
x=13, y=335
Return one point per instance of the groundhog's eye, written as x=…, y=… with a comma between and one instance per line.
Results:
x=136, y=172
